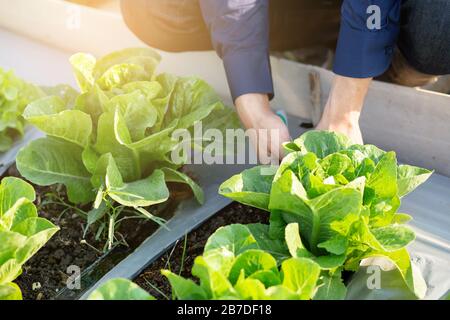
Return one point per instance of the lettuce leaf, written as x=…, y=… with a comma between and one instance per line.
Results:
x=120, y=289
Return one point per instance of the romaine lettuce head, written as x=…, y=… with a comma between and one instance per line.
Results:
x=15, y=94
x=242, y=262
x=22, y=233
x=115, y=137
x=343, y=197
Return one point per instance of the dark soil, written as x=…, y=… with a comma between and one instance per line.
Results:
x=45, y=274
x=151, y=278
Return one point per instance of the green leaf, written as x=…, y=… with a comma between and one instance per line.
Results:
x=141, y=193
x=281, y=293
x=129, y=55
x=94, y=215
x=388, y=238
x=317, y=216
x=20, y=211
x=393, y=237
x=6, y=142
x=50, y=161
x=294, y=242
x=251, y=187
x=9, y=244
x=192, y=100
x=90, y=159
x=250, y=289
x=49, y=115
x=126, y=159
x=150, y=89
x=120, y=289
x=277, y=225
x=369, y=151
x=11, y=190
x=15, y=95
x=220, y=259
x=301, y=275
x=179, y=177
x=409, y=178
x=214, y=282
x=120, y=74
x=401, y=218
x=83, y=66
x=275, y=246
x=235, y=238
x=92, y=103
x=10, y=291
x=137, y=112
x=250, y=262
x=38, y=231
x=322, y=143
x=383, y=181
x=336, y=245
x=9, y=270
x=68, y=94
x=330, y=262
x=335, y=164
x=267, y=277
x=331, y=288
x=289, y=195
x=184, y=289
x=410, y=274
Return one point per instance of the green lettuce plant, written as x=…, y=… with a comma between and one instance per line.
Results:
x=22, y=233
x=15, y=94
x=120, y=289
x=112, y=143
x=242, y=262
x=335, y=203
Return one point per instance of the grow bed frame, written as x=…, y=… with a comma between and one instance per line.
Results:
x=414, y=124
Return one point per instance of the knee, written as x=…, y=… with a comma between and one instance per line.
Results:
x=424, y=37
x=134, y=15
x=170, y=25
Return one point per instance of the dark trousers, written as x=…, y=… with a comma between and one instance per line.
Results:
x=177, y=25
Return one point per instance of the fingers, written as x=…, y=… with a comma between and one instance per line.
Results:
x=268, y=143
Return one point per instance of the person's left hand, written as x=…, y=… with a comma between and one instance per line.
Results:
x=343, y=108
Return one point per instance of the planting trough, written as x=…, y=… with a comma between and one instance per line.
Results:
x=412, y=122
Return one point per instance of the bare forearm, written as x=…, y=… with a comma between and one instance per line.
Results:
x=252, y=108
x=346, y=98
x=344, y=106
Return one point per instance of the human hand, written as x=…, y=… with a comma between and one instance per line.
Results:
x=343, y=109
x=266, y=130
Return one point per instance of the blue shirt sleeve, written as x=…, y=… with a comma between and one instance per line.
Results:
x=366, y=41
x=240, y=35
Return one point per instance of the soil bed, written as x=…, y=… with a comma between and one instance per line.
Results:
x=45, y=274
x=192, y=246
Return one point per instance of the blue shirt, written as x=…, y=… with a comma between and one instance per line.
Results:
x=240, y=35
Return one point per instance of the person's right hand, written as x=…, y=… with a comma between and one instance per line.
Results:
x=269, y=131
